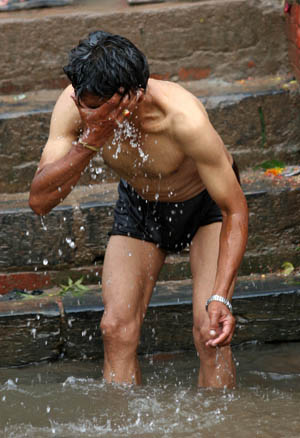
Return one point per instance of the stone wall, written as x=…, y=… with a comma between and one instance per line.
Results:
x=231, y=39
x=292, y=12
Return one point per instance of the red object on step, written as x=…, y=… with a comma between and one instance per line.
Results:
x=292, y=18
x=287, y=7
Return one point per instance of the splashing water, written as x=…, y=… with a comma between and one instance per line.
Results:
x=127, y=131
x=70, y=242
x=43, y=224
x=71, y=399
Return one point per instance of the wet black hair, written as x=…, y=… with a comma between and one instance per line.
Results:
x=103, y=63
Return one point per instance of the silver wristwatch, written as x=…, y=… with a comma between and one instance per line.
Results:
x=220, y=299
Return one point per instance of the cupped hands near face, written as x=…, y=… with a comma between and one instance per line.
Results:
x=101, y=116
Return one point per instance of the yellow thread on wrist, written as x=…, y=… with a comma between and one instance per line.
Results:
x=88, y=146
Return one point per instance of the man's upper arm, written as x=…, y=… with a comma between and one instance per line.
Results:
x=200, y=141
x=64, y=129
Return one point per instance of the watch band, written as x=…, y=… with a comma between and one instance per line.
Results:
x=220, y=299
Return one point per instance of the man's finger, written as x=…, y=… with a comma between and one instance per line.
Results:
x=220, y=340
x=214, y=318
x=224, y=337
x=114, y=101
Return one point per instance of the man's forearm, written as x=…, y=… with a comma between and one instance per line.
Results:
x=233, y=240
x=54, y=181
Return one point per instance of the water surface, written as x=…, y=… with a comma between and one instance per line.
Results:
x=69, y=399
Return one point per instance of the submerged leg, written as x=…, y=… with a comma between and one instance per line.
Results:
x=131, y=267
x=216, y=364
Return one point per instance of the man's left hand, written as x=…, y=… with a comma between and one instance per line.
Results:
x=222, y=323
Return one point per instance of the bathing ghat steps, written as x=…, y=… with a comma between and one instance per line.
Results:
x=220, y=51
x=230, y=54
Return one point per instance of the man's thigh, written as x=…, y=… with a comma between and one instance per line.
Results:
x=130, y=270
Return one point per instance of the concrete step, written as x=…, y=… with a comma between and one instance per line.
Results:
x=52, y=327
x=31, y=256
x=225, y=39
x=257, y=118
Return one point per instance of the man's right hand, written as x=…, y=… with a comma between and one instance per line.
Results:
x=99, y=123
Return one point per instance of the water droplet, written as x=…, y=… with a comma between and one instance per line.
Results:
x=130, y=254
x=43, y=224
x=70, y=242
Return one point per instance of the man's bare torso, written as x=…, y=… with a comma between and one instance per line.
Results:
x=145, y=149
x=145, y=153
x=154, y=167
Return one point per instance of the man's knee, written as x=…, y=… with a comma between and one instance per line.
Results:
x=120, y=331
x=201, y=336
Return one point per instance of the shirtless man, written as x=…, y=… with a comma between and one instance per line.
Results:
x=178, y=187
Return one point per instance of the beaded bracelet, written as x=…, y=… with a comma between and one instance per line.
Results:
x=88, y=146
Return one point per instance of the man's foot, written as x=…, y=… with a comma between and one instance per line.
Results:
x=14, y=5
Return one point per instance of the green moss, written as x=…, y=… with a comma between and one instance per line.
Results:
x=76, y=288
x=269, y=164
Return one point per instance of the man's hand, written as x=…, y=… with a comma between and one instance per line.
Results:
x=222, y=323
x=99, y=122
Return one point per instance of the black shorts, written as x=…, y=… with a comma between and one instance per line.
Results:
x=170, y=225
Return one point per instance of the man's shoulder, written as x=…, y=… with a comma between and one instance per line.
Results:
x=187, y=113
x=65, y=97
x=65, y=116
x=181, y=103
x=65, y=106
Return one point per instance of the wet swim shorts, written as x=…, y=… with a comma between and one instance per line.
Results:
x=170, y=225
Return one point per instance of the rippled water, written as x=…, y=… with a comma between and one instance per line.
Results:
x=69, y=399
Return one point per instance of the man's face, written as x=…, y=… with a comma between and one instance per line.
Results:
x=91, y=100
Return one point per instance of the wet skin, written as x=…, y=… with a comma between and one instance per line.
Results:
x=184, y=156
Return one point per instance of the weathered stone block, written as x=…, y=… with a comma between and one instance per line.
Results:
x=27, y=241
x=274, y=230
x=269, y=318
x=97, y=219
x=29, y=332
x=258, y=126
x=173, y=37
x=35, y=330
x=81, y=326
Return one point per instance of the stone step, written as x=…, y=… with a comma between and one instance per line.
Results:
x=52, y=327
x=28, y=247
x=257, y=119
x=230, y=39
